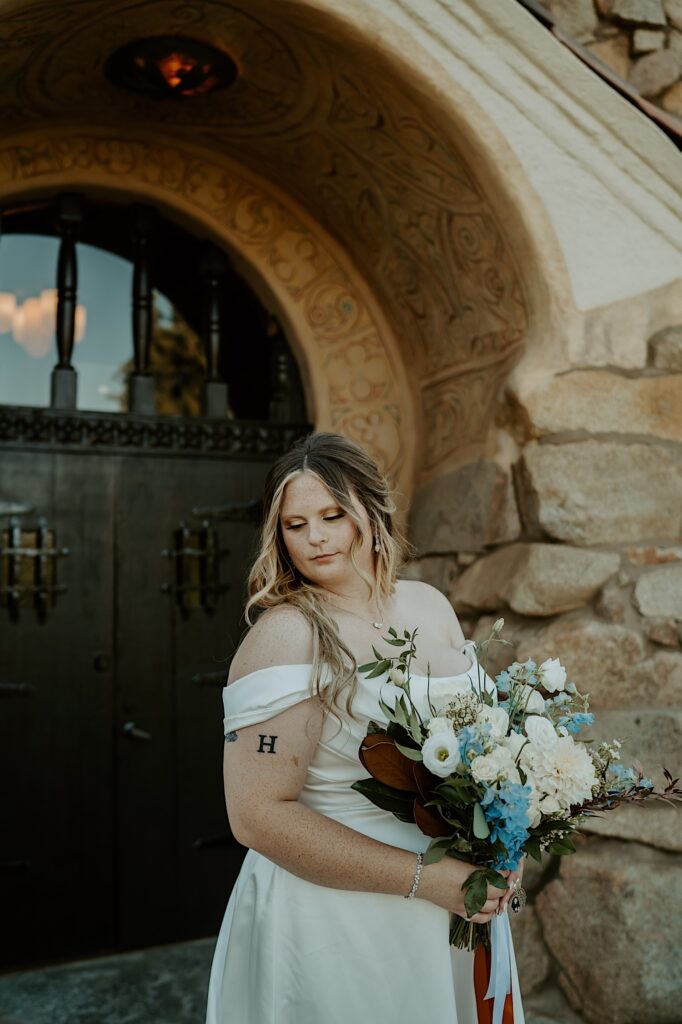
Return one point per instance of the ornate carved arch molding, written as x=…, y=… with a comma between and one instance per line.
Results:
x=349, y=358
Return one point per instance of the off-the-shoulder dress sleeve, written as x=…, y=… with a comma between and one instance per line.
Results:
x=262, y=694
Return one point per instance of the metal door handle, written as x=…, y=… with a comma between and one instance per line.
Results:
x=130, y=729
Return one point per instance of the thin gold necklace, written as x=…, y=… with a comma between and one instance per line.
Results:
x=377, y=625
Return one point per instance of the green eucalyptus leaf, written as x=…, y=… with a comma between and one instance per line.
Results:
x=366, y=668
x=481, y=830
x=414, y=755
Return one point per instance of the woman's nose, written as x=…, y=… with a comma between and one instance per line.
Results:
x=316, y=534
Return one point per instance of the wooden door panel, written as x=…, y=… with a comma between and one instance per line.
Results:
x=56, y=843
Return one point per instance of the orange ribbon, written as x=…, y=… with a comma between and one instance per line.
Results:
x=484, y=1007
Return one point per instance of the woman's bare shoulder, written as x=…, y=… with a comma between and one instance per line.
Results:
x=434, y=602
x=280, y=636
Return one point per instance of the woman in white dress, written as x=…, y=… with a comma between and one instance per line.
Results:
x=318, y=929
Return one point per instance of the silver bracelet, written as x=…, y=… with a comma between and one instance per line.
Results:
x=417, y=876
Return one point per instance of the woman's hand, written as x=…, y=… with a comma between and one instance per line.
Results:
x=442, y=884
x=512, y=876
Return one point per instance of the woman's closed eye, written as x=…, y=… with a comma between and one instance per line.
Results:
x=297, y=526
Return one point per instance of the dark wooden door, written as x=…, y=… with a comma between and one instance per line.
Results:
x=114, y=833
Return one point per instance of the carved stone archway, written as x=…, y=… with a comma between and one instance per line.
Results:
x=350, y=363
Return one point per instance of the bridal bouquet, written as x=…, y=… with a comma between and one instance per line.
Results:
x=492, y=772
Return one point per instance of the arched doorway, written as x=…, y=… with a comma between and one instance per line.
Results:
x=125, y=537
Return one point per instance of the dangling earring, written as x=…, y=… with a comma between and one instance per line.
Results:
x=376, y=542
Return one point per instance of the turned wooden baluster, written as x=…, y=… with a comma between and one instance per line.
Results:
x=286, y=398
x=141, y=381
x=63, y=384
x=213, y=272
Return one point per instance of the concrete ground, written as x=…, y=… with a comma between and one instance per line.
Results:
x=161, y=985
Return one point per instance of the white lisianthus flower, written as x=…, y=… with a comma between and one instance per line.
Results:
x=514, y=742
x=564, y=774
x=495, y=767
x=441, y=753
x=531, y=700
x=497, y=718
x=540, y=732
x=396, y=676
x=439, y=724
x=552, y=675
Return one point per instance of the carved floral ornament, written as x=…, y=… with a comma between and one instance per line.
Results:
x=349, y=139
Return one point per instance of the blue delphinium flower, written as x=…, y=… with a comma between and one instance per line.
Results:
x=646, y=783
x=621, y=777
x=502, y=682
x=473, y=741
x=575, y=722
x=506, y=811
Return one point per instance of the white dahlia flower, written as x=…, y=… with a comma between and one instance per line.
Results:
x=563, y=773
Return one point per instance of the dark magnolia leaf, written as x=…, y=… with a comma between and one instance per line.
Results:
x=386, y=798
x=384, y=762
x=425, y=781
x=532, y=848
x=475, y=892
x=430, y=822
x=495, y=878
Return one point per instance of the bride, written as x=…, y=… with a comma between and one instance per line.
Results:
x=333, y=918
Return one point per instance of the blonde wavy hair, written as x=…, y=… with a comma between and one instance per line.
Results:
x=342, y=465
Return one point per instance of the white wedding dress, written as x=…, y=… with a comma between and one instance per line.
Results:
x=293, y=952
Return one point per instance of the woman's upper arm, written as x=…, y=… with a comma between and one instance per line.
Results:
x=268, y=761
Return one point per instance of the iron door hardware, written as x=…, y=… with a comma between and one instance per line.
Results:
x=196, y=555
x=130, y=729
x=28, y=567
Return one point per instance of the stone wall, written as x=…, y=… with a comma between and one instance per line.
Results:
x=572, y=530
x=641, y=40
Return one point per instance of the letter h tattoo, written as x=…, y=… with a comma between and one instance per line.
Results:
x=269, y=743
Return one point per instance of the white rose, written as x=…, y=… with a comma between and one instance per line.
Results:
x=552, y=675
x=494, y=767
x=531, y=700
x=438, y=725
x=396, y=676
x=497, y=718
x=441, y=753
x=540, y=732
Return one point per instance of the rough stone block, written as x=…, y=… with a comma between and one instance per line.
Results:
x=645, y=40
x=535, y=579
x=467, y=509
x=662, y=631
x=640, y=12
x=614, y=53
x=605, y=403
x=655, y=682
x=601, y=492
x=659, y=592
x=651, y=736
x=440, y=571
x=665, y=347
x=672, y=101
x=604, y=919
x=652, y=74
x=656, y=824
x=578, y=18
x=597, y=656
x=612, y=603
x=673, y=11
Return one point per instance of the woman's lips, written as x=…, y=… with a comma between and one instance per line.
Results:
x=322, y=558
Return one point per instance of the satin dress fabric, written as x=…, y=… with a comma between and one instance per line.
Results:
x=293, y=952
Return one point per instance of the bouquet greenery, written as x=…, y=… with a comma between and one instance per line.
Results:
x=491, y=770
